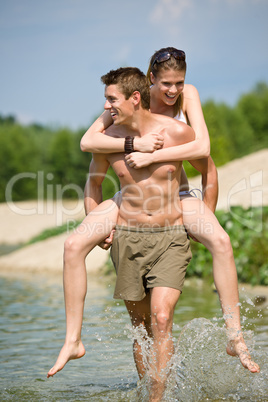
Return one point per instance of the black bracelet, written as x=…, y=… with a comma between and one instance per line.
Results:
x=129, y=144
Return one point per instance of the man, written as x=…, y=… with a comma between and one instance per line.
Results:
x=150, y=206
x=150, y=250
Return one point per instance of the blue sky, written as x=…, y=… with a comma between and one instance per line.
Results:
x=53, y=52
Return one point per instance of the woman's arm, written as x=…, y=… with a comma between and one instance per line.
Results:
x=200, y=148
x=209, y=174
x=95, y=141
x=197, y=149
x=194, y=113
x=188, y=151
x=192, y=108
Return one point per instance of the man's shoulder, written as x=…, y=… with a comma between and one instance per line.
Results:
x=177, y=131
x=168, y=122
x=115, y=131
x=173, y=125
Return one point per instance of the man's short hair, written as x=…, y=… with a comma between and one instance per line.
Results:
x=129, y=80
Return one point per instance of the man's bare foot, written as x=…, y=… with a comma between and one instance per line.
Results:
x=237, y=347
x=68, y=352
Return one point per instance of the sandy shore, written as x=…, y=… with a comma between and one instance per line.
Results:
x=242, y=182
x=20, y=221
x=47, y=256
x=23, y=220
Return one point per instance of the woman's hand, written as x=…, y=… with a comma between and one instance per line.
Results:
x=149, y=142
x=139, y=160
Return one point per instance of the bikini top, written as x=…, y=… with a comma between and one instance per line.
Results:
x=180, y=117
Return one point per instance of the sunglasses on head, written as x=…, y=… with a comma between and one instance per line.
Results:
x=164, y=56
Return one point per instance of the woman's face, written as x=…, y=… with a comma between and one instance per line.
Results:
x=168, y=85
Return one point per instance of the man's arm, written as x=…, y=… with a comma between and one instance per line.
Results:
x=93, y=188
x=209, y=174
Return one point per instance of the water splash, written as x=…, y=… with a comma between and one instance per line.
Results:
x=202, y=370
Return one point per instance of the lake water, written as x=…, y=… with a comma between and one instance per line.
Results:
x=32, y=326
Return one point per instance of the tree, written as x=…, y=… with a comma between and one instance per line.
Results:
x=19, y=154
x=253, y=107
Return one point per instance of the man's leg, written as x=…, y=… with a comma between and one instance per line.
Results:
x=94, y=228
x=200, y=222
x=140, y=315
x=163, y=303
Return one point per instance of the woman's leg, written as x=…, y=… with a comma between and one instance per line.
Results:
x=201, y=223
x=94, y=228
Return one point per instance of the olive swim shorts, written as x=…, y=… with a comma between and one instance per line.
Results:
x=149, y=257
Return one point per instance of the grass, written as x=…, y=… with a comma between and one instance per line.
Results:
x=46, y=234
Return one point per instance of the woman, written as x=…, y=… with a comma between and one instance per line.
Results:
x=169, y=96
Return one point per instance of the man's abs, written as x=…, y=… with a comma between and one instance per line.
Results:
x=148, y=219
x=150, y=195
x=151, y=208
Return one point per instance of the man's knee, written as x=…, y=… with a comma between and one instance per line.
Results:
x=162, y=321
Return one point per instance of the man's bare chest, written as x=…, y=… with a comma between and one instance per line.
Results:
x=156, y=172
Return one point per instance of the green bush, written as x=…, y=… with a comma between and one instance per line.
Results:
x=248, y=231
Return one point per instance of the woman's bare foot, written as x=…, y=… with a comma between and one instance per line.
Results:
x=237, y=347
x=68, y=352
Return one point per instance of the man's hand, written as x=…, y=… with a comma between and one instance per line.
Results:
x=106, y=243
x=193, y=238
x=138, y=160
x=149, y=142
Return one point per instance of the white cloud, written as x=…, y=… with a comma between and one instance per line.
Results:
x=123, y=53
x=168, y=15
x=169, y=10
x=24, y=118
x=235, y=3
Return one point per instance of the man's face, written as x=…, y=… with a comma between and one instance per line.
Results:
x=120, y=108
